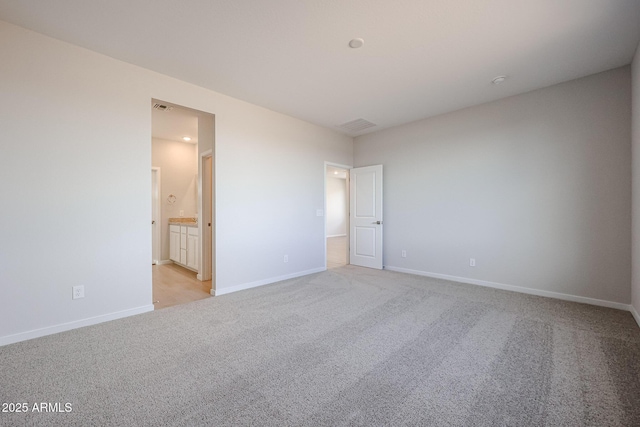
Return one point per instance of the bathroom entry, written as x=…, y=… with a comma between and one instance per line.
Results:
x=336, y=215
x=181, y=139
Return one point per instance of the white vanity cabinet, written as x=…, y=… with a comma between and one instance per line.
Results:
x=192, y=248
x=183, y=245
x=174, y=243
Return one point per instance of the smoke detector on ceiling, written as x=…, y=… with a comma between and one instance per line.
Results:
x=162, y=107
x=356, y=43
x=498, y=80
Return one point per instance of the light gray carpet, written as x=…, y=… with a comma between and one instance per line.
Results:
x=349, y=346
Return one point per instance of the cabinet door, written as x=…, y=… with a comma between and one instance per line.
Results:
x=192, y=250
x=183, y=237
x=174, y=245
x=183, y=245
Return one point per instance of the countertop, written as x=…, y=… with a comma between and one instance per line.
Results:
x=187, y=222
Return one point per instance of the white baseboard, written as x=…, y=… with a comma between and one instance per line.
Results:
x=165, y=261
x=538, y=292
x=337, y=235
x=257, y=283
x=36, y=333
x=634, y=313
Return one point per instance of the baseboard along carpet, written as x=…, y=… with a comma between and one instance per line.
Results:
x=349, y=346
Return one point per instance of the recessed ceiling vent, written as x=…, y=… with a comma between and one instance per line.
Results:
x=356, y=125
x=162, y=107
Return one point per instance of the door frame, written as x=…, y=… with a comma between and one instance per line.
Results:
x=156, y=236
x=348, y=225
x=205, y=211
x=206, y=135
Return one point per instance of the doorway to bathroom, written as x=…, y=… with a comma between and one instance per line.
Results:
x=182, y=149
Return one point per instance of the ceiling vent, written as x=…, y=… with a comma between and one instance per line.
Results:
x=356, y=125
x=162, y=107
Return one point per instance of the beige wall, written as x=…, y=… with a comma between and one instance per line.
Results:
x=535, y=187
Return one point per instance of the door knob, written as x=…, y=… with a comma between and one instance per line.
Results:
x=153, y=222
x=377, y=222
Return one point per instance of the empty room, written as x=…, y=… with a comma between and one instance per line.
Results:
x=392, y=213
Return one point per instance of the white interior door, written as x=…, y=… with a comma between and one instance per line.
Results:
x=365, y=217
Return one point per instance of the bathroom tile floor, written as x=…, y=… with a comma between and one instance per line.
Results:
x=173, y=285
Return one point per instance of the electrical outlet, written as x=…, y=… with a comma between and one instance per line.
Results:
x=404, y=254
x=78, y=292
x=472, y=262
x=286, y=258
x=181, y=213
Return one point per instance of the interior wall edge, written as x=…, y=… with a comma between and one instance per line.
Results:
x=635, y=314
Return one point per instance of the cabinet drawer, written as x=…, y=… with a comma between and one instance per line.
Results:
x=174, y=228
x=193, y=231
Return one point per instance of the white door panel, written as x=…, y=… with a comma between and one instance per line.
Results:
x=366, y=217
x=365, y=197
x=365, y=241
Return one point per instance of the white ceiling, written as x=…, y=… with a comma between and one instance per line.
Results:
x=174, y=124
x=420, y=58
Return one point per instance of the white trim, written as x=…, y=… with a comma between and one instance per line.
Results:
x=157, y=231
x=165, y=261
x=337, y=235
x=49, y=330
x=538, y=292
x=205, y=267
x=241, y=287
x=634, y=313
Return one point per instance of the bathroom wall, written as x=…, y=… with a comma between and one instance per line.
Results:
x=178, y=163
